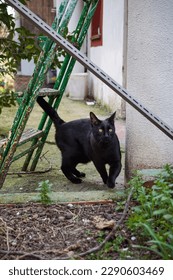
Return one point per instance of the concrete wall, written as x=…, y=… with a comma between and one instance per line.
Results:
x=109, y=56
x=149, y=78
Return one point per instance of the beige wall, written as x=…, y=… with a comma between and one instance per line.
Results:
x=149, y=78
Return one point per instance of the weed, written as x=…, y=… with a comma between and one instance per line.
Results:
x=45, y=189
x=111, y=248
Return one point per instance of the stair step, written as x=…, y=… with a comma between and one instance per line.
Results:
x=27, y=135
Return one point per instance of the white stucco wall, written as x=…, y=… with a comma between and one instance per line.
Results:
x=149, y=78
x=109, y=56
x=27, y=67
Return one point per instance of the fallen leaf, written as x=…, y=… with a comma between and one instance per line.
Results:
x=102, y=223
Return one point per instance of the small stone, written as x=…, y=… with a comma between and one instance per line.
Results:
x=69, y=216
x=133, y=238
x=35, y=216
x=55, y=222
x=85, y=221
x=70, y=254
x=67, y=243
x=70, y=205
x=61, y=218
x=125, y=249
x=14, y=243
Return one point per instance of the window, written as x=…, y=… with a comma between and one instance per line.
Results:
x=96, y=26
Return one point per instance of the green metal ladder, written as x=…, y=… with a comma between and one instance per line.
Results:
x=17, y=135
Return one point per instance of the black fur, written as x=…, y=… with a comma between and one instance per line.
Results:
x=84, y=140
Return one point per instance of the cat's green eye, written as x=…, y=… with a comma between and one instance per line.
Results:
x=100, y=130
x=110, y=129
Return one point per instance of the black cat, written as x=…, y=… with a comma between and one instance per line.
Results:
x=85, y=140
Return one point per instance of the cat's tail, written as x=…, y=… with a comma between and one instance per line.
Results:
x=50, y=111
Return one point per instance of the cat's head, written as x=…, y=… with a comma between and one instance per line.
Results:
x=103, y=130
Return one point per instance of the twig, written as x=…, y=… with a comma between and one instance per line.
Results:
x=7, y=231
x=30, y=172
x=36, y=254
x=62, y=235
x=22, y=254
x=34, y=172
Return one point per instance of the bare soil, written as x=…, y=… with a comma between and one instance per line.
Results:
x=35, y=231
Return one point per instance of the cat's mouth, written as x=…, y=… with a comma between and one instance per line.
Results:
x=105, y=141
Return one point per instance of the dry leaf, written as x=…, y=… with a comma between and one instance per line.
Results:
x=102, y=223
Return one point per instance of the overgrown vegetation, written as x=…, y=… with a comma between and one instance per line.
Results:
x=151, y=219
x=16, y=43
x=149, y=225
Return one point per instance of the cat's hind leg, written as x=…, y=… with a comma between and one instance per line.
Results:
x=67, y=172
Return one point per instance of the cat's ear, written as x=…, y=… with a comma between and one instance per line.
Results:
x=94, y=119
x=112, y=118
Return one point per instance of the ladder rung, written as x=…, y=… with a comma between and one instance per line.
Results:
x=42, y=92
x=27, y=135
x=48, y=92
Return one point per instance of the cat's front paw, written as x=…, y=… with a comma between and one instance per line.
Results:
x=82, y=175
x=76, y=181
x=110, y=184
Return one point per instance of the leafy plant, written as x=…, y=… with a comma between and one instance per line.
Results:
x=45, y=189
x=7, y=98
x=152, y=216
x=110, y=249
x=12, y=50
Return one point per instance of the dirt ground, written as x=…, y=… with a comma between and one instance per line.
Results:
x=33, y=231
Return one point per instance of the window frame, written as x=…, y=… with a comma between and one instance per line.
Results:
x=97, y=26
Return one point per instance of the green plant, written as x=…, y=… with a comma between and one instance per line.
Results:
x=7, y=98
x=152, y=216
x=110, y=248
x=12, y=50
x=45, y=189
